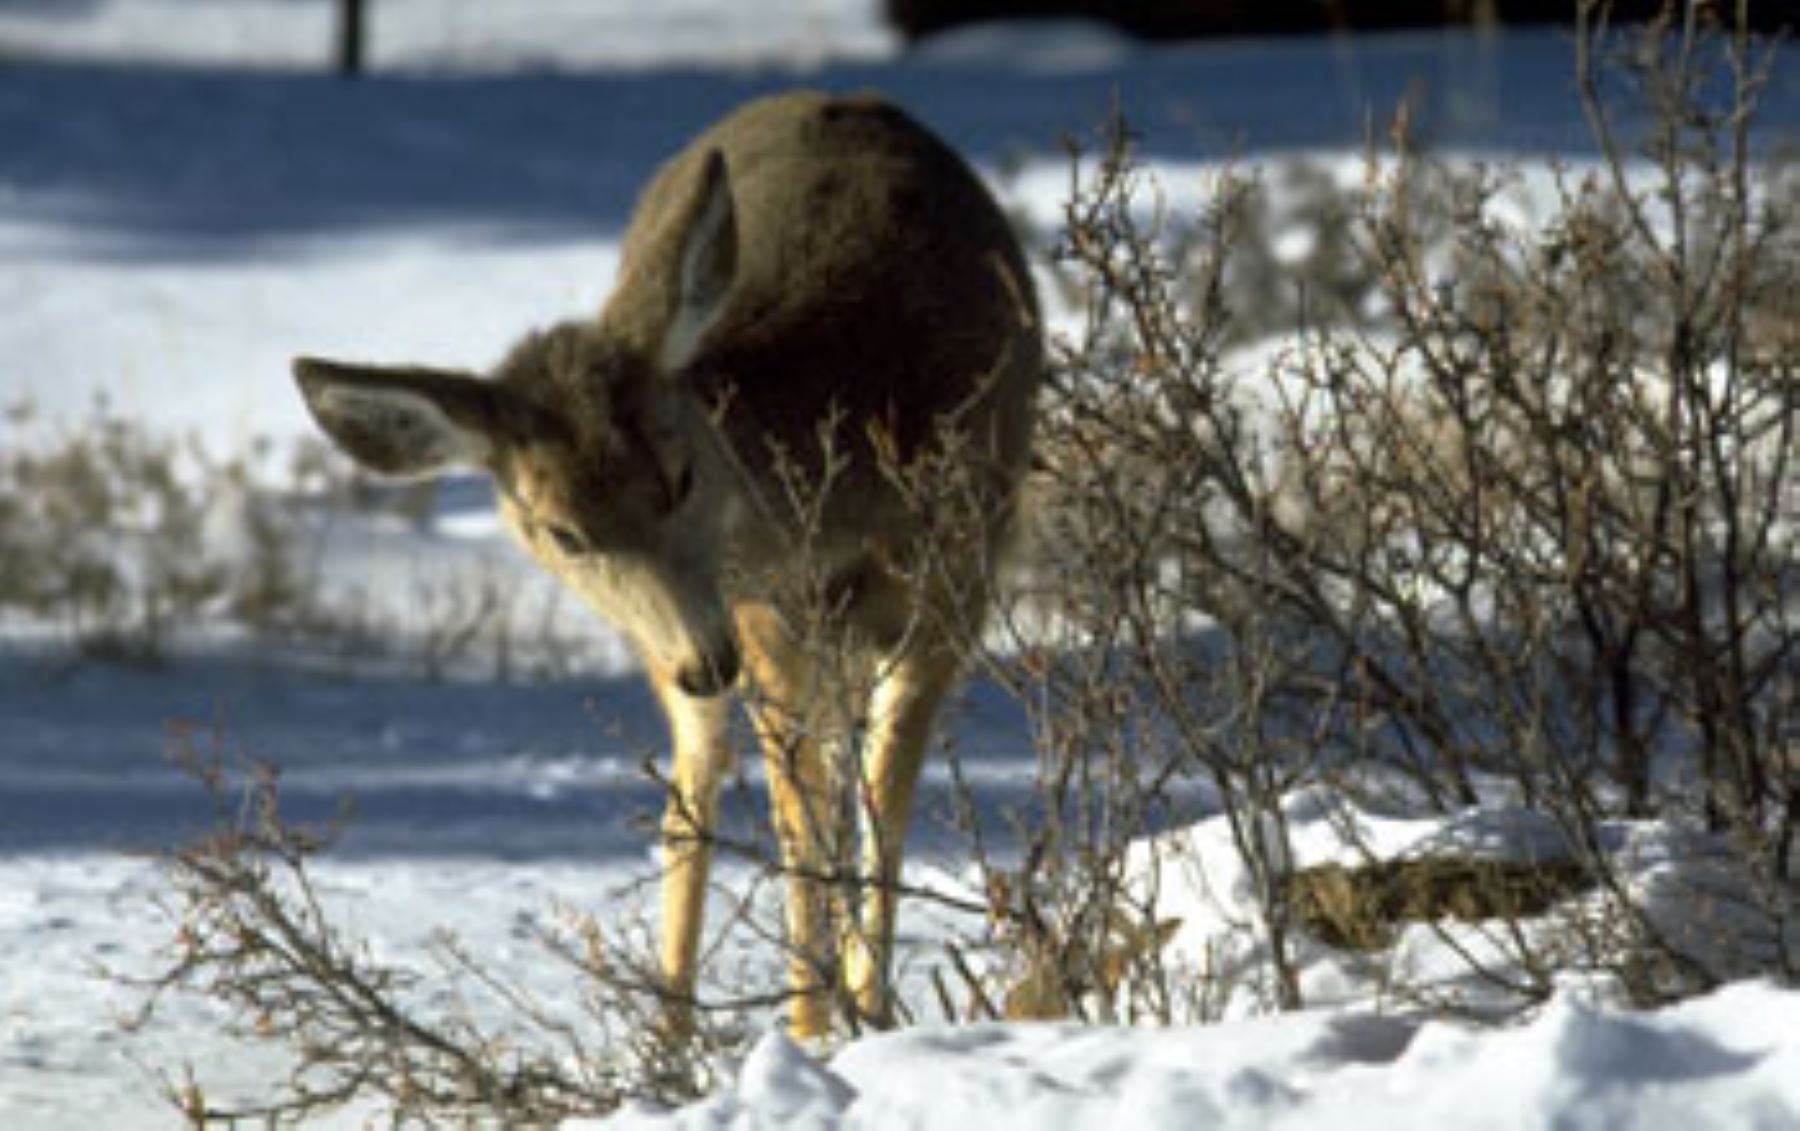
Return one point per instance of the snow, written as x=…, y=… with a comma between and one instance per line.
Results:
x=186, y=203
x=453, y=34
x=1728, y=1060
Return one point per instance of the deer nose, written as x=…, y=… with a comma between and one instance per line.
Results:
x=711, y=674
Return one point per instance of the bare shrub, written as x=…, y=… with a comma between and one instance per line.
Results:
x=121, y=542
x=252, y=931
x=102, y=537
x=1508, y=518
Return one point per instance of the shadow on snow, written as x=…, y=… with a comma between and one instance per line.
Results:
x=502, y=771
x=167, y=163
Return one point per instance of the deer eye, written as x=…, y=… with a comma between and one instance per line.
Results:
x=567, y=540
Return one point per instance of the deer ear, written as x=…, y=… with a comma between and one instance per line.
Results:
x=403, y=422
x=707, y=265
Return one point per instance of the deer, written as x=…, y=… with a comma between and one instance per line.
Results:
x=816, y=291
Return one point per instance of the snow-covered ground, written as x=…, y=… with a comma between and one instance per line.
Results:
x=1725, y=1061
x=187, y=201
x=459, y=34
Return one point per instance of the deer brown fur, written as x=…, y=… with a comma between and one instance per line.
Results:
x=816, y=297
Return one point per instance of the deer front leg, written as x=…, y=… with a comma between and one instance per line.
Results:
x=905, y=706
x=800, y=798
x=798, y=727
x=702, y=757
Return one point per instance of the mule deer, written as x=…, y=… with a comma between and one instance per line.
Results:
x=815, y=290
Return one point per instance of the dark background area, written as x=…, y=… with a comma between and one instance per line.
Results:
x=1195, y=19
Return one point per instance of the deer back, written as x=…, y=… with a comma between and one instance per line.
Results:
x=876, y=280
